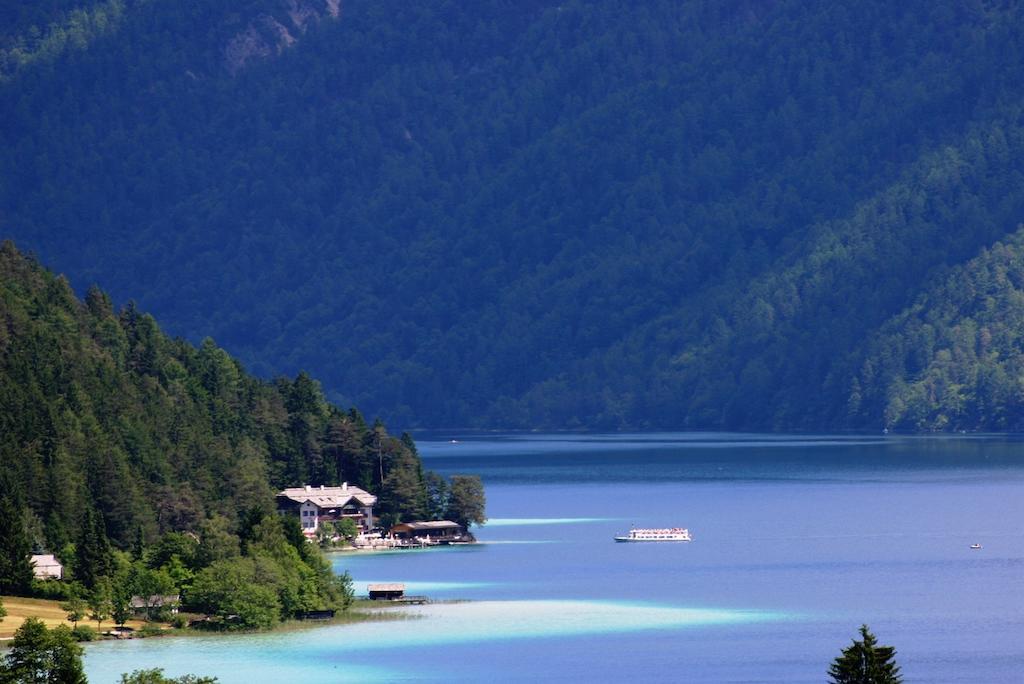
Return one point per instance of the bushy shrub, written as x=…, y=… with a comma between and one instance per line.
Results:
x=55, y=590
x=150, y=629
x=84, y=633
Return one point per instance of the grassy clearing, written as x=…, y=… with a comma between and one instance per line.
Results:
x=19, y=608
x=50, y=613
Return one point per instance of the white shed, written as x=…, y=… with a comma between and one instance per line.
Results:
x=46, y=566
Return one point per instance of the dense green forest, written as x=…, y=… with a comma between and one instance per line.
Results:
x=955, y=358
x=143, y=461
x=540, y=213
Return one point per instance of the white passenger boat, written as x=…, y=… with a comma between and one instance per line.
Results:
x=647, y=534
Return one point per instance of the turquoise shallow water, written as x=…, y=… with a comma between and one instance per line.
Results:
x=329, y=652
x=797, y=541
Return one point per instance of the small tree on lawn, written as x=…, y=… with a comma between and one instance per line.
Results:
x=100, y=601
x=76, y=608
x=121, y=600
x=865, y=662
x=152, y=586
x=3, y=611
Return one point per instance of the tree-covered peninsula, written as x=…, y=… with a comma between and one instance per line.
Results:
x=149, y=466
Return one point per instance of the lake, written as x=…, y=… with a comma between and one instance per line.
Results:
x=797, y=540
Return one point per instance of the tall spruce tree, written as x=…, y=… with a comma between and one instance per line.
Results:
x=93, y=557
x=15, y=550
x=865, y=662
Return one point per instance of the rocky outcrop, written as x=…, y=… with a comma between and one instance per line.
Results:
x=267, y=35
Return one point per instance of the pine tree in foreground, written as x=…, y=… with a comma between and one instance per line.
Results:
x=865, y=662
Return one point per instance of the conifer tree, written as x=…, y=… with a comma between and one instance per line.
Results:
x=865, y=662
x=93, y=554
x=403, y=496
x=466, y=501
x=100, y=601
x=15, y=550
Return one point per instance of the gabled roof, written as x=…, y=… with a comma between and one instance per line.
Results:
x=329, y=497
x=394, y=586
x=44, y=560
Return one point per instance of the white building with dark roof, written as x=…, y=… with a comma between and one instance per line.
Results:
x=315, y=505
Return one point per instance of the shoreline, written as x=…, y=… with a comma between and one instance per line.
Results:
x=362, y=610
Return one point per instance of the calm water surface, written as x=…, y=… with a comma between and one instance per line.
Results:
x=797, y=541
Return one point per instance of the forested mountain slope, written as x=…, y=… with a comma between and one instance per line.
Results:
x=956, y=357
x=530, y=214
x=102, y=416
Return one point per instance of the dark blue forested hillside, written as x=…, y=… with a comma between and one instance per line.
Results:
x=525, y=214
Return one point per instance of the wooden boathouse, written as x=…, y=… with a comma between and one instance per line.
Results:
x=394, y=593
x=433, y=531
x=386, y=592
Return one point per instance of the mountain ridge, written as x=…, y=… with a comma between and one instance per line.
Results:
x=533, y=215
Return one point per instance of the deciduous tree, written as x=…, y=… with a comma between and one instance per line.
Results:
x=76, y=608
x=156, y=676
x=42, y=656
